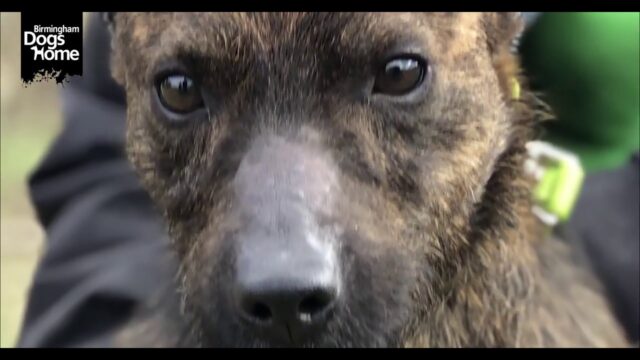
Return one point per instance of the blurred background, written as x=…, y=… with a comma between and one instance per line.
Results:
x=30, y=118
x=587, y=63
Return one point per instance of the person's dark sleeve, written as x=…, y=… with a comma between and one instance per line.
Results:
x=606, y=224
x=106, y=249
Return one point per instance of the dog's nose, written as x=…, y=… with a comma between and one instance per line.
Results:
x=287, y=307
x=287, y=295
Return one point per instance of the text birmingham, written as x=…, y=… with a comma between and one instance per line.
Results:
x=56, y=29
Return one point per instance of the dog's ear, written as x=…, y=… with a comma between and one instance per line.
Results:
x=503, y=30
x=117, y=70
x=109, y=19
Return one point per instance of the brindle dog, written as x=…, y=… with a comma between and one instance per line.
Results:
x=346, y=179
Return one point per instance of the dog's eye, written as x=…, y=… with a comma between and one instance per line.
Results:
x=400, y=76
x=179, y=94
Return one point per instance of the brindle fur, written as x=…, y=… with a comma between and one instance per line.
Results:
x=440, y=245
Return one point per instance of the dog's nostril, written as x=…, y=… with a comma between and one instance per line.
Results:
x=260, y=312
x=314, y=303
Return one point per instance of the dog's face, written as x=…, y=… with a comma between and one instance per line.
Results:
x=318, y=172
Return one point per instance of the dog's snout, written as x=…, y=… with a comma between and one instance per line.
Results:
x=287, y=280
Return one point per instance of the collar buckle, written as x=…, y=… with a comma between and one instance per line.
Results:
x=559, y=175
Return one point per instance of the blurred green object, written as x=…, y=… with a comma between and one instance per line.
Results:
x=587, y=65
